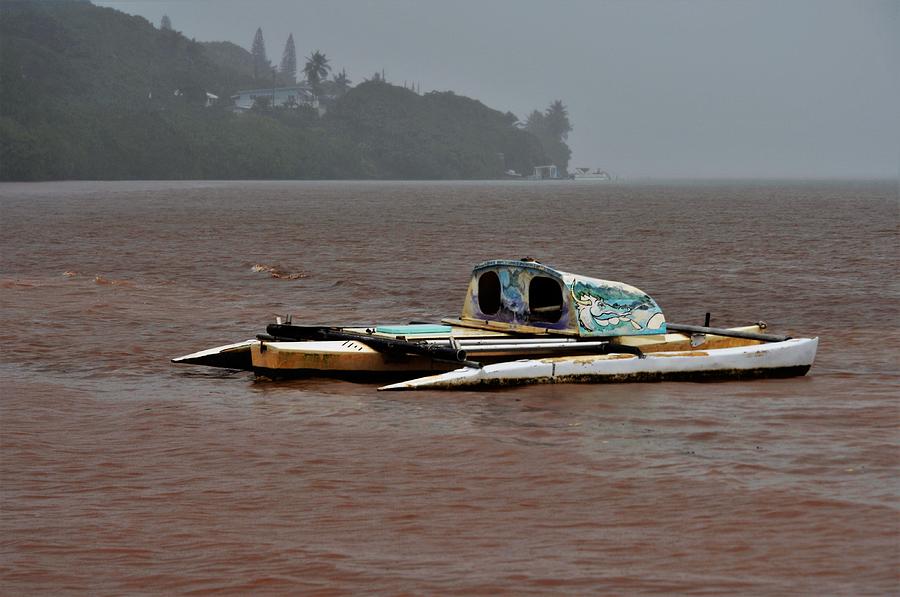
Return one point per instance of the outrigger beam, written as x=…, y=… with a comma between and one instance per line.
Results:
x=701, y=329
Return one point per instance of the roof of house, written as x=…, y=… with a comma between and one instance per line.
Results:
x=263, y=90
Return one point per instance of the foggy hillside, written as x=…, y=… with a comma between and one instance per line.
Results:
x=93, y=93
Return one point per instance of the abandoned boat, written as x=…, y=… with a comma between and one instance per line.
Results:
x=522, y=322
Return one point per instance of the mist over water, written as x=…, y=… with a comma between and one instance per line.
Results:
x=124, y=473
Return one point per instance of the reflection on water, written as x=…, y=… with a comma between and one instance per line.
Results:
x=122, y=472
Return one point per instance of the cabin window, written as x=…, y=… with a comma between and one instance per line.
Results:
x=545, y=299
x=489, y=293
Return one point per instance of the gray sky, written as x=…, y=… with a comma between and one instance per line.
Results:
x=655, y=88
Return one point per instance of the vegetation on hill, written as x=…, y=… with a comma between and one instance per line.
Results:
x=230, y=57
x=438, y=135
x=93, y=93
x=552, y=127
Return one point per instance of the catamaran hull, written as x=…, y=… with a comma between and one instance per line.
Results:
x=344, y=360
x=229, y=356
x=778, y=359
x=353, y=359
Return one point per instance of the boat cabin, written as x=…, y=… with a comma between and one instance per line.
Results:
x=525, y=295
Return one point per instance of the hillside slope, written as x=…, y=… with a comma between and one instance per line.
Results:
x=438, y=135
x=90, y=93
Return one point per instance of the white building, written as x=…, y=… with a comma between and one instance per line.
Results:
x=549, y=172
x=296, y=96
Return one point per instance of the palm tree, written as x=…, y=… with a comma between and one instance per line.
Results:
x=316, y=70
x=341, y=82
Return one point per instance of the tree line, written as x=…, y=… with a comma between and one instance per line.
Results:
x=552, y=127
x=315, y=69
x=107, y=111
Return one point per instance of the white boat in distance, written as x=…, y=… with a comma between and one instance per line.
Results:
x=593, y=174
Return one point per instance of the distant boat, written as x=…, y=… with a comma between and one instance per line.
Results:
x=590, y=174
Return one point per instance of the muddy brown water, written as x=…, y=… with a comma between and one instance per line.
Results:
x=122, y=473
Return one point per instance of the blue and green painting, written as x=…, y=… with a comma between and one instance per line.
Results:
x=615, y=310
x=511, y=300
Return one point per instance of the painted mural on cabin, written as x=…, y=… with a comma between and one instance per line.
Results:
x=511, y=299
x=592, y=307
x=615, y=310
x=513, y=302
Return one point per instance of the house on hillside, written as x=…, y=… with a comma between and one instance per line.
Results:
x=287, y=97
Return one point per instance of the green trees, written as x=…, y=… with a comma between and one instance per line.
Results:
x=316, y=70
x=109, y=111
x=261, y=64
x=437, y=135
x=234, y=63
x=262, y=103
x=289, y=61
x=556, y=119
x=535, y=124
x=552, y=127
x=342, y=82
